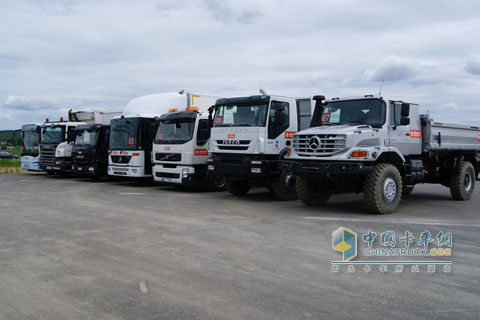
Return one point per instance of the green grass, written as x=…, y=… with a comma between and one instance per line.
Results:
x=9, y=163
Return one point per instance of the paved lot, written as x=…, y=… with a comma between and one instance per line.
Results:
x=72, y=248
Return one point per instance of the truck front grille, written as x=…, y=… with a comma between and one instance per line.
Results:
x=321, y=145
x=167, y=175
x=47, y=156
x=168, y=156
x=121, y=159
x=233, y=144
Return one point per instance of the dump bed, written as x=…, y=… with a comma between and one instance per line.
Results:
x=446, y=136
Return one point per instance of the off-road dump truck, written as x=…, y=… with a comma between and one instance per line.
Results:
x=381, y=148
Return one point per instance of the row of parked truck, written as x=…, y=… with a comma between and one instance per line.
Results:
x=309, y=147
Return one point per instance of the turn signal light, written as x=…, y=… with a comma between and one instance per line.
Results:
x=192, y=109
x=136, y=154
x=172, y=110
x=359, y=154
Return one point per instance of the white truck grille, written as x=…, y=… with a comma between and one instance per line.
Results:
x=320, y=145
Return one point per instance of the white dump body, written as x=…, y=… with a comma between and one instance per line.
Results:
x=446, y=136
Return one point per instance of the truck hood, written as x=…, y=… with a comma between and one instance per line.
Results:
x=236, y=139
x=340, y=129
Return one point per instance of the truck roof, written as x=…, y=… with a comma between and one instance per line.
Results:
x=153, y=105
x=255, y=99
x=91, y=126
x=30, y=127
x=179, y=115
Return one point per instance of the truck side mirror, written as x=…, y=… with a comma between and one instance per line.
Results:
x=405, y=112
x=404, y=121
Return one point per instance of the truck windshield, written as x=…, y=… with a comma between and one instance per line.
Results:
x=175, y=131
x=124, y=133
x=53, y=134
x=86, y=137
x=31, y=140
x=355, y=112
x=243, y=115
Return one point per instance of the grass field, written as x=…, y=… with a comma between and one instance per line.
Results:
x=11, y=166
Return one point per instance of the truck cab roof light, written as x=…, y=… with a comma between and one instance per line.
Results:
x=192, y=109
x=172, y=110
x=46, y=120
x=61, y=118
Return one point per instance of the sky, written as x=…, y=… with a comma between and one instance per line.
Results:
x=57, y=55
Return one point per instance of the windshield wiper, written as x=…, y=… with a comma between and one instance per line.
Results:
x=224, y=125
x=243, y=125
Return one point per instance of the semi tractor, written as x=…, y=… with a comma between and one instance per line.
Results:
x=90, y=150
x=382, y=148
x=180, y=147
x=132, y=133
x=30, y=147
x=57, y=140
x=247, y=136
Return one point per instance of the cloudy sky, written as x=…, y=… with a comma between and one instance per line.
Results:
x=81, y=54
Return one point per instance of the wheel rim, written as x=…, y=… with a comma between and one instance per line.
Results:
x=219, y=182
x=389, y=189
x=289, y=181
x=467, y=181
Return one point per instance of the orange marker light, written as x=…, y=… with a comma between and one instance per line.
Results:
x=192, y=109
x=136, y=154
x=359, y=154
x=172, y=110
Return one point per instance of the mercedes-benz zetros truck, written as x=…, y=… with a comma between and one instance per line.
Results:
x=57, y=138
x=382, y=148
x=247, y=136
x=180, y=149
x=90, y=150
x=30, y=147
x=132, y=133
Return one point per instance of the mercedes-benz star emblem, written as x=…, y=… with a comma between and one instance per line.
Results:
x=314, y=143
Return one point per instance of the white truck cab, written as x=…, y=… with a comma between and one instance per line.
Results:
x=247, y=136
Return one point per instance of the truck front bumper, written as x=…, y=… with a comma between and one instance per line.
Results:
x=89, y=169
x=181, y=175
x=247, y=166
x=127, y=171
x=60, y=165
x=324, y=168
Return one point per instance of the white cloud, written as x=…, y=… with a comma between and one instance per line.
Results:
x=101, y=54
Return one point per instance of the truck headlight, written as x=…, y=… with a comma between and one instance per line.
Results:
x=184, y=173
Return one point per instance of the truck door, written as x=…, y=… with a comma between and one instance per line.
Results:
x=404, y=128
x=278, y=123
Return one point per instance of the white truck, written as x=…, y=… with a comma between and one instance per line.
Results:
x=247, y=136
x=57, y=138
x=132, y=133
x=180, y=147
x=381, y=148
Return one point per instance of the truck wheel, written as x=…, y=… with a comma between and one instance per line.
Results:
x=237, y=187
x=463, y=183
x=383, y=189
x=407, y=190
x=312, y=193
x=284, y=188
x=216, y=183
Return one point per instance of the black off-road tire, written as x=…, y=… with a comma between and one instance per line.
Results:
x=237, y=187
x=462, y=184
x=284, y=188
x=407, y=190
x=382, y=189
x=312, y=193
x=216, y=183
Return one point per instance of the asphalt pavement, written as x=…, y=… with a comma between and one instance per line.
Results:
x=71, y=248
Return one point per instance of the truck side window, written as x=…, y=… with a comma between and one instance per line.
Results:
x=203, y=133
x=395, y=113
x=278, y=118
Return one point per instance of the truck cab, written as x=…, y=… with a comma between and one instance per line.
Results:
x=180, y=150
x=90, y=150
x=247, y=136
x=30, y=147
x=56, y=146
x=132, y=133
